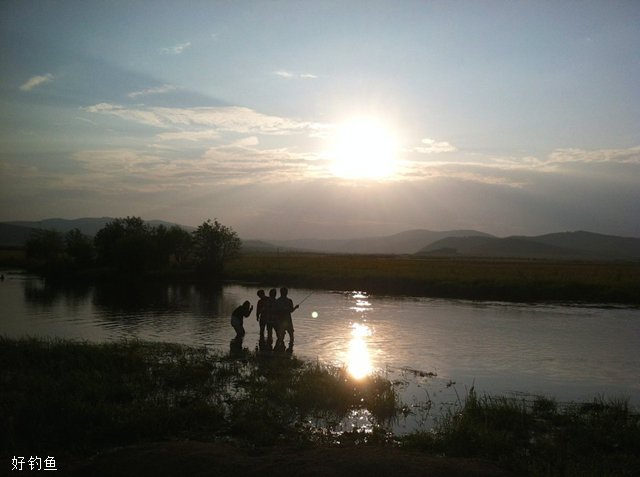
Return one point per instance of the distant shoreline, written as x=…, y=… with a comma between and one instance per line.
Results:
x=484, y=279
x=515, y=280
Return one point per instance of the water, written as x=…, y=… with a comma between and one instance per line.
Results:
x=571, y=353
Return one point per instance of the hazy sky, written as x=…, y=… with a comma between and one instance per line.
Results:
x=513, y=117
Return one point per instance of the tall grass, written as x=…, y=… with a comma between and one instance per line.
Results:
x=76, y=396
x=540, y=437
x=521, y=280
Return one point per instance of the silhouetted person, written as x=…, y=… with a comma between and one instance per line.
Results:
x=238, y=316
x=271, y=314
x=263, y=309
x=284, y=308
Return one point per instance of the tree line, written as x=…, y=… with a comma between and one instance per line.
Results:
x=131, y=245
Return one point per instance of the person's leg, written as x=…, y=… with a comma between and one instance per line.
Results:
x=239, y=329
x=290, y=331
x=270, y=332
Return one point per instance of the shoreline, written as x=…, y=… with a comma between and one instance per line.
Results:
x=123, y=400
x=508, y=280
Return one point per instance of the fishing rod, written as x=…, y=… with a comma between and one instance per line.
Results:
x=305, y=298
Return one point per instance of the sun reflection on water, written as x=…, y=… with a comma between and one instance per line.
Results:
x=358, y=359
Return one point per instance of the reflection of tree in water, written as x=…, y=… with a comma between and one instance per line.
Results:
x=157, y=298
x=44, y=293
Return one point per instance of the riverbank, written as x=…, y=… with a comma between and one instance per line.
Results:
x=457, y=278
x=114, y=408
x=474, y=279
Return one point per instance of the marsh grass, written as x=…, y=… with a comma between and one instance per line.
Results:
x=80, y=397
x=493, y=279
x=539, y=437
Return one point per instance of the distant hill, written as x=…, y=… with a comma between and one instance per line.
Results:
x=604, y=246
x=408, y=242
x=458, y=243
x=566, y=245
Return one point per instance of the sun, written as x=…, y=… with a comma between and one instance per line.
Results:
x=363, y=148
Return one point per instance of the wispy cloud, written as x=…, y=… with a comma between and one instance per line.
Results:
x=36, y=81
x=202, y=135
x=290, y=75
x=176, y=49
x=431, y=146
x=165, y=88
x=228, y=119
x=628, y=156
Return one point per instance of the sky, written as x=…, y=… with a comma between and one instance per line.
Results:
x=297, y=119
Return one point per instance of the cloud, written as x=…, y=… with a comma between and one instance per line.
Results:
x=290, y=75
x=623, y=156
x=202, y=135
x=431, y=146
x=176, y=49
x=36, y=81
x=228, y=118
x=165, y=88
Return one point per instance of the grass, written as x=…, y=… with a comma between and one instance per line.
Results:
x=75, y=399
x=80, y=397
x=540, y=437
x=12, y=257
x=490, y=279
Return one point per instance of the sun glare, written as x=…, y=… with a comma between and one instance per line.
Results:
x=358, y=360
x=363, y=148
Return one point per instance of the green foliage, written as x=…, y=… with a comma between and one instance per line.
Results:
x=64, y=395
x=45, y=247
x=214, y=244
x=126, y=244
x=539, y=438
x=79, y=248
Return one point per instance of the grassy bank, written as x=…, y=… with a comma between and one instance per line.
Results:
x=75, y=399
x=508, y=280
x=601, y=438
x=70, y=396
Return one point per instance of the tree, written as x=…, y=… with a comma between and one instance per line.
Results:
x=214, y=244
x=45, y=247
x=174, y=244
x=126, y=243
x=79, y=248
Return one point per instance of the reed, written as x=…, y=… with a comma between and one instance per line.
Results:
x=76, y=396
x=539, y=437
x=509, y=280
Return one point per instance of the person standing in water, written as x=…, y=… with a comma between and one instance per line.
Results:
x=261, y=312
x=238, y=316
x=284, y=307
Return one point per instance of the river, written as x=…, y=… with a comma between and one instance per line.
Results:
x=568, y=352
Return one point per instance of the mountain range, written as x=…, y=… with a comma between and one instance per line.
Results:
x=579, y=245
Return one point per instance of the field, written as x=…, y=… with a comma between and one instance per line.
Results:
x=509, y=280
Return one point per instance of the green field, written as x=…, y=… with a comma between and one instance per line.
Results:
x=485, y=279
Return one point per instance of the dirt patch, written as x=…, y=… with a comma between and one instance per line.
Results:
x=213, y=459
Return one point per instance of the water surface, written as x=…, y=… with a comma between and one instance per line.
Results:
x=567, y=352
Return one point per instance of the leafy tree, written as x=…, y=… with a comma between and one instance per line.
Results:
x=214, y=244
x=174, y=244
x=126, y=243
x=45, y=247
x=79, y=248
